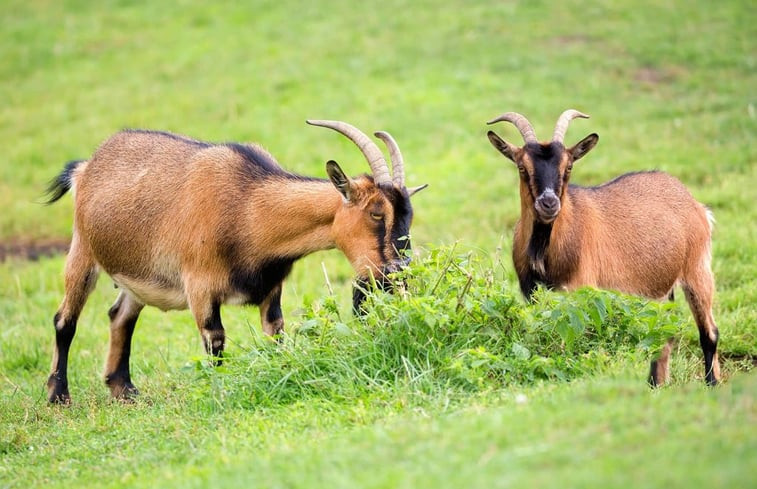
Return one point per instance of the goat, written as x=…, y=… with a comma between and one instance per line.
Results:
x=641, y=233
x=179, y=223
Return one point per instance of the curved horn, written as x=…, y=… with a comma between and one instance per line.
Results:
x=398, y=164
x=369, y=149
x=562, y=123
x=525, y=127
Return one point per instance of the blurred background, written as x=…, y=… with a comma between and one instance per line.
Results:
x=669, y=86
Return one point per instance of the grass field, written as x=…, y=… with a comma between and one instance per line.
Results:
x=454, y=385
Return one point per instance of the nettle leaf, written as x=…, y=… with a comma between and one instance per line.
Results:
x=342, y=329
x=564, y=330
x=430, y=319
x=577, y=321
x=600, y=308
x=520, y=352
x=554, y=315
x=307, y=326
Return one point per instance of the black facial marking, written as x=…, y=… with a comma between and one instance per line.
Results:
x=403, y=217
x=546, y=164
x=381, y=237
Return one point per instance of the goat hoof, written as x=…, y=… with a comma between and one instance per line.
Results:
x=57, y=391
x=62, y=398
x=125, y=392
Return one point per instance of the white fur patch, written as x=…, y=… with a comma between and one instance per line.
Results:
x=710, y=218
x=152, y=294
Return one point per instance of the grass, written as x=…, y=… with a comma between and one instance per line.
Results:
x=455, y=384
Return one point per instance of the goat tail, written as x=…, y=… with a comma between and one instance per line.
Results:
x=61, y=184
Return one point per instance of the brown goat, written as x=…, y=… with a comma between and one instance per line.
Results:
x=179, y=223
x=641, y=233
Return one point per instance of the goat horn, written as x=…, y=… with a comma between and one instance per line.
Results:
x=562, y=123
x=398, y=164
x=525, y=127
x=369, y=149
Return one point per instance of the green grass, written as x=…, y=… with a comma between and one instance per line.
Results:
x=458, y=384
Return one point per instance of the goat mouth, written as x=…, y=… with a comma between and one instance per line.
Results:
x=382, y=281
x=545, y=216
x=395, y=265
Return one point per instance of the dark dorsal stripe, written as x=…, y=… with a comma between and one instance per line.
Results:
x=170, y=135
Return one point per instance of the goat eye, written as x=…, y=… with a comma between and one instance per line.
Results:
x=376, y=217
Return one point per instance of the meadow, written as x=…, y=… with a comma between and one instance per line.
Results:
x=457, y=382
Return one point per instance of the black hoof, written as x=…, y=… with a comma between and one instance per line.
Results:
x=57, y=391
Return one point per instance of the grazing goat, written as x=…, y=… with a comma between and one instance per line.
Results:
x=640, y=233
x=179, y=223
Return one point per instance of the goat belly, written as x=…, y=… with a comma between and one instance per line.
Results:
x=162, y=296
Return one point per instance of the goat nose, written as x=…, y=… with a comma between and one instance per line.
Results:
x=549, y=202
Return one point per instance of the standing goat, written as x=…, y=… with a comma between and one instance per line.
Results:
x=640, y=233
x=179, y=223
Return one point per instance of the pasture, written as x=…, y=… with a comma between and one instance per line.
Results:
x=457, y=382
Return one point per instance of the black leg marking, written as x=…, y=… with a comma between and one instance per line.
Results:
x=214, y=335
x=274, y=318
x=659, y=368
x=57, y=383
x=653, y=379
x=709, y=348
x=119, y=380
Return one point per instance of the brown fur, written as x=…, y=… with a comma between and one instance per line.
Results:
x=172, y=220
x=641, y=233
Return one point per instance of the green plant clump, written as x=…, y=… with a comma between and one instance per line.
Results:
x=453, y=323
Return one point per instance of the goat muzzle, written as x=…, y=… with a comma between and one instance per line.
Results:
x=382, y=280
x=547, y=206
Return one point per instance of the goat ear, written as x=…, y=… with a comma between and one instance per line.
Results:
x=503, y=146
x=341, y=181
x=583, y=146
